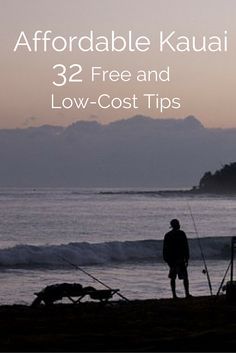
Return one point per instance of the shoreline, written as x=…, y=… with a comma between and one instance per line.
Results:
x=169, y=192
x=194, y=324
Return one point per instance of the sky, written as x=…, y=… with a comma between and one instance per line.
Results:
x=205, y=83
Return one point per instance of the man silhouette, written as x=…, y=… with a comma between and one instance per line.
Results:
x=176, y=254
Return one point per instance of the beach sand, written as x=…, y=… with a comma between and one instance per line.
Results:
x=194, y=324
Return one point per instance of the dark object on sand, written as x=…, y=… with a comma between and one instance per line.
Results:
x=93, y=277
x=55, y=292
x=230, y=287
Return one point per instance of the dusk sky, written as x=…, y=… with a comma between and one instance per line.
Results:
x=205, y=82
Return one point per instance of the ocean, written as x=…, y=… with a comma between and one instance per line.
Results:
x=114, y=234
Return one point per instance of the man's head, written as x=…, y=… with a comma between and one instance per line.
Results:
x=175, y=224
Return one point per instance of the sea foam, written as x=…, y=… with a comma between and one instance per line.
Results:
x=89, y=254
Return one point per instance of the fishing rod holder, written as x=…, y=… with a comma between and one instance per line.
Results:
x=231, y=284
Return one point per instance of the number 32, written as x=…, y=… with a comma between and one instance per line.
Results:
x=74, y=76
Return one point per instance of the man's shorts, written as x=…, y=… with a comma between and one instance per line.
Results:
x=180, y=270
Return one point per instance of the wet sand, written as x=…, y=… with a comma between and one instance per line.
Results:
x=195, y=324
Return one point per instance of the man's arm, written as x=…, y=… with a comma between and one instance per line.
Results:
x=165, y=249
x=186, y=248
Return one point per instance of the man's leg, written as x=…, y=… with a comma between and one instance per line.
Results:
x=172, y=284
x=183, y=274
x=186, y=286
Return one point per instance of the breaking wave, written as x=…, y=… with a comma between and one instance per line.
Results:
x=88, y=254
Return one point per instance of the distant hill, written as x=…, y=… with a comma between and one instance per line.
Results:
x=139, y=151
x=222, y=181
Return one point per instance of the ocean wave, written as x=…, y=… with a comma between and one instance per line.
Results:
x=89, y=254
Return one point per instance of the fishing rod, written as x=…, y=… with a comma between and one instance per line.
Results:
x=91, y=276
x=222, y=282
x=201, y=251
